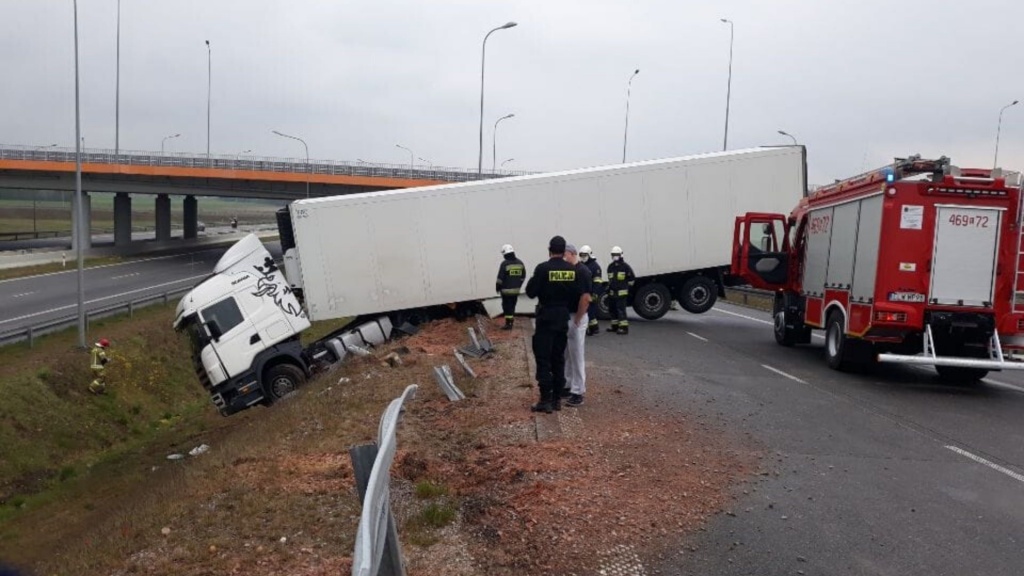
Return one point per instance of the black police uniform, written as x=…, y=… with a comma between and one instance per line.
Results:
x=597, y=283
x=558, y=287
x=620, y=279
x=511, y=275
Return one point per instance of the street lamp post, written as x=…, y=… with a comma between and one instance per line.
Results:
x=78, y=196
x=117, y=90
x=787, y=134
x=503, y=162
x=625, y=134
x=494, y=140
x=165, y=139
x=999, y=126
x=728, y=91
x=306, y=148
x=483, y=60
x=412, y=157
x=209, y=88
x=427, y=162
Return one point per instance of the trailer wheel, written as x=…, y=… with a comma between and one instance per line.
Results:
x=282, y=380
x=698, y=294
x=652, y=301
x=604, y=309
x=960, y=375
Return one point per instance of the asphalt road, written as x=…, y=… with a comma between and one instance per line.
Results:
x=890, y=472
x=36, y=300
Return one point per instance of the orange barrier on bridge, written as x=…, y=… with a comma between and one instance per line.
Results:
x=182, y=172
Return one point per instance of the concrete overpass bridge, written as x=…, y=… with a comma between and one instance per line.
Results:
x=190, y=175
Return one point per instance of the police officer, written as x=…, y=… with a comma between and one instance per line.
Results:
x=99, y=364
x=560, y=293
x=620, y=280
x=588, y=260
x=511, y=274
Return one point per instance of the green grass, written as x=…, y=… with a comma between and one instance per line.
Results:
x=426, y=489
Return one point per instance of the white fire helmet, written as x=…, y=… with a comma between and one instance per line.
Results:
x=585, y=253
x=507, y=249
x=616, y=251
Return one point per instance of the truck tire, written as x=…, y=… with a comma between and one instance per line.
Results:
x=604, y=309
x=698, y=294
x=960, y=375
x=652, y=301
x=837, y=349
x=282, y=380
x=784, y=336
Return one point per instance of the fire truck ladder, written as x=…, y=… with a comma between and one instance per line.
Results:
x=1015, y=298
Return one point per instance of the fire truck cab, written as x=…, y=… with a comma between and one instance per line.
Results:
x=918, y=262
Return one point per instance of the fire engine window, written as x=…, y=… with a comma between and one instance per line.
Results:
x=225, y=313
x=768, y=236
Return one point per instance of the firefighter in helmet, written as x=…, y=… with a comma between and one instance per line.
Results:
x=511, y=275
x=620, y=280
x=588, y=260
x=99, y=363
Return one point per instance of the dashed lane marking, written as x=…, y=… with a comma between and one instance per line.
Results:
x=758, y=320
x=1015, y=475
x=698, y=337
x=783, y=374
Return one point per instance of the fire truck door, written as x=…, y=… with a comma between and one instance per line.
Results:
x=965, y=255
x=761, y=255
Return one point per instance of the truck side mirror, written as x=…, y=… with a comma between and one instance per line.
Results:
x=213, y=331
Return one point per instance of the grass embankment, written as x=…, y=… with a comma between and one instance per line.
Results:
x=70, y=458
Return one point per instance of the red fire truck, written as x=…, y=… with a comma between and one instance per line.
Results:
x=919, y=262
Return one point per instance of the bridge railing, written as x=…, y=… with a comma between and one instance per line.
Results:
x=251, y=163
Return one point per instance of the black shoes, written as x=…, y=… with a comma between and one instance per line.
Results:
x=612, y=329
x=623, y=330
x=593, y=330
x=508, y=325
x=575, y=400
x=544, y=407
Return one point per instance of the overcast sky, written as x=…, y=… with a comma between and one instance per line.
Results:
x=857, y=82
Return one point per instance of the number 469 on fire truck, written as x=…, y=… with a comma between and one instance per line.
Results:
x=919, y=262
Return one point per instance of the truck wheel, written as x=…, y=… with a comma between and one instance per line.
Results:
x=604, y=309
x=698, y=294
x=652, y=301
x=960, y=374
x=282, y=380
x=836, y=342
x=783, y=336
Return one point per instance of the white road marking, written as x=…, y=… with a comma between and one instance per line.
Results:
x=1016, y=476
x=125, y=276
x=69, y=306
x=1003, y=384
x=783, y=374
x=23, y=294
x=701, y=338
x=759, y=320
x=73, y=271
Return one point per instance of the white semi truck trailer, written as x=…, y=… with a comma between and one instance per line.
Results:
x=405, y=256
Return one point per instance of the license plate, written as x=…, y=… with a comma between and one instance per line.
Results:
x=906, y=297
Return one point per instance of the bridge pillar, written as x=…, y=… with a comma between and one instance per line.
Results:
x=122, y=219
x=163, y=217
x=85, y=234
x=190, y=213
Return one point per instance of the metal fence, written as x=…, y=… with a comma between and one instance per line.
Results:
x=376, y=525
x=251, y=163
x=30, y=333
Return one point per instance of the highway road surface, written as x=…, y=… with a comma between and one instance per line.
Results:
x=36, y=300
x=891, y=472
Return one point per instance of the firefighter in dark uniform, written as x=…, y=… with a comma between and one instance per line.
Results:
x=511, y=274
x=620, y=280
x=559, y=291
x=588, y=260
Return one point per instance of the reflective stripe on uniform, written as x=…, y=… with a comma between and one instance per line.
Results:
x=593, y=322
x=623, y=293
x=623, y=323
x=510, y=292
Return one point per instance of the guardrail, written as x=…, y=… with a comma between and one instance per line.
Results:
x=30, y=333
x=251, y=163
x=747, y=292
x=377, y=551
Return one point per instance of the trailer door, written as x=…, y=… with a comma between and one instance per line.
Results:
x=964, y=258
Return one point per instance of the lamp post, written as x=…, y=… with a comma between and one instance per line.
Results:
x=78, y=195
x=483, y=60
x=240, y=153
x=503, y=162
x=787, y=134
x=165, y=139
x=209, y=88
x=494, y=140
x=427, y=162
x=412, y=161
x=625, y=134
x=306, y=148
x=999, y=126
x=728, y=91
x=117, y=90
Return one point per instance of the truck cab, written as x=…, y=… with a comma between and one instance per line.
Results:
x=243, y=323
